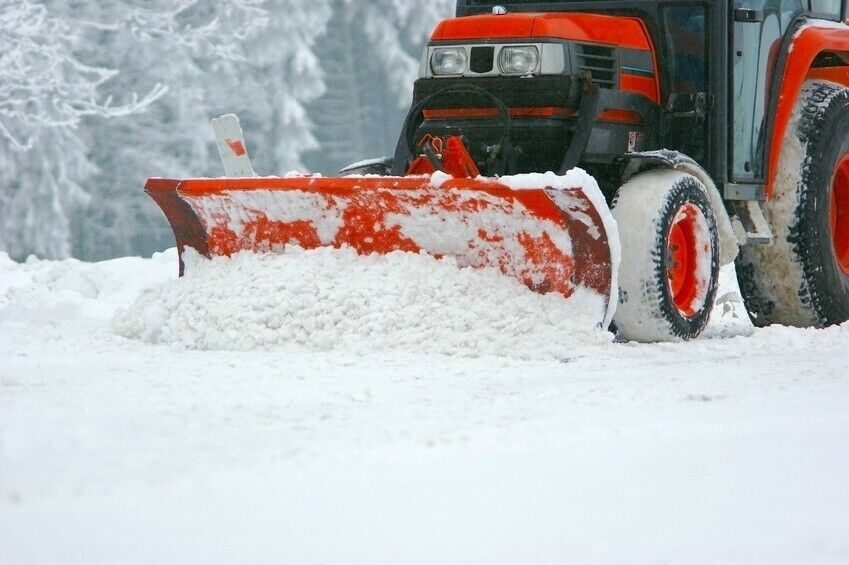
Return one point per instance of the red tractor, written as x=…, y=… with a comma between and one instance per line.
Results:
x=715, y=131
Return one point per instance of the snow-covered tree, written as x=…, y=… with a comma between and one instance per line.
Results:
x=45, y=94
x=397, y=30
x=197, y=50
x=370, y=57
x=286, y=75
x=355, y=117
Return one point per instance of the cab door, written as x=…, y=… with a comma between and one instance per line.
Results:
x=759, y=27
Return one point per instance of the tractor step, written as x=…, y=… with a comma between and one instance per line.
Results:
x=754, y=225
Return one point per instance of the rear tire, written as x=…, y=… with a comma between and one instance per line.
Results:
x=670, y=257
x=803, y=278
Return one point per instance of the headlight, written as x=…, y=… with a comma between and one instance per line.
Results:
x=448, y=61
x=522, y=60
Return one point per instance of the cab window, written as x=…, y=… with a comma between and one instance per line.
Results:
x=685, y=54
x=756, y=48
x=829, y=8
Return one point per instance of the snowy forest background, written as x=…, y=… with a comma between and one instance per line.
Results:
x=98, y=95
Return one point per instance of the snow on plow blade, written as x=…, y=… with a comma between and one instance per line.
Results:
x=552, y=240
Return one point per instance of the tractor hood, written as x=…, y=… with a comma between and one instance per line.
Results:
x=593, y=28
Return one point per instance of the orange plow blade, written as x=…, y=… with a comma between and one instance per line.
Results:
x=551, y=240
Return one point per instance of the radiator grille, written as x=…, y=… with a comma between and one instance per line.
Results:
x=600, y=60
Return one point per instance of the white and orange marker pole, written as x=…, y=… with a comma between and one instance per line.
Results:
x=231, y=146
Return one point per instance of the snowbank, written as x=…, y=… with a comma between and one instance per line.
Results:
x=329, y=299
x=74, y=293
x=398, y=302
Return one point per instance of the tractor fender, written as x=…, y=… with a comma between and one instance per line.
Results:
x=637, y=162
x=811, y=39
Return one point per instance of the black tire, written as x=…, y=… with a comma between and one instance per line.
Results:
x=646, y=208
x=798, y=281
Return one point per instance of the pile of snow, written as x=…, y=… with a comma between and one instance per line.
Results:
x=329, y=299
x=338, y=302
x=75, y=293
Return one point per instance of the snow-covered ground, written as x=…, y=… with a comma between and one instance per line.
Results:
x=731, y=449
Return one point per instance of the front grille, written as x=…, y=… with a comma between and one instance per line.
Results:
x=600, y=60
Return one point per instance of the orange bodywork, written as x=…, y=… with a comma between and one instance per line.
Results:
x=810, y=42
x=621, y=31
x=550, y=240
x=592, y=28
x=646, y=86
x=839, y=75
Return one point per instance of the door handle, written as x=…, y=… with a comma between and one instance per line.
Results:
x=748, y=16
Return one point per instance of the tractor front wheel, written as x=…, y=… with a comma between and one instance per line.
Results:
x=803, y=278
x=670, y=257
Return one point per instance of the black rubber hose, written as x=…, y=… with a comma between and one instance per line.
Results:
x=587, y=114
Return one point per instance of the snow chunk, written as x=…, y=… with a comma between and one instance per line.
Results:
x=328, y=299
x=575, y=178
x=439, y=178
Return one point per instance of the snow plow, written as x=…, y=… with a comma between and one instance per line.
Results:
x=696, y=160
x=550, y=237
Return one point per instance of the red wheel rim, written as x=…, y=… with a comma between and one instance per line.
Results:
x=682, y=266
x=838, y=213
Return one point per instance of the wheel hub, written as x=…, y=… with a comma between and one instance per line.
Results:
x=838, y=212
x=682, y=263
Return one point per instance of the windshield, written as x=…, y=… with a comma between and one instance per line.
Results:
x=484, y=3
